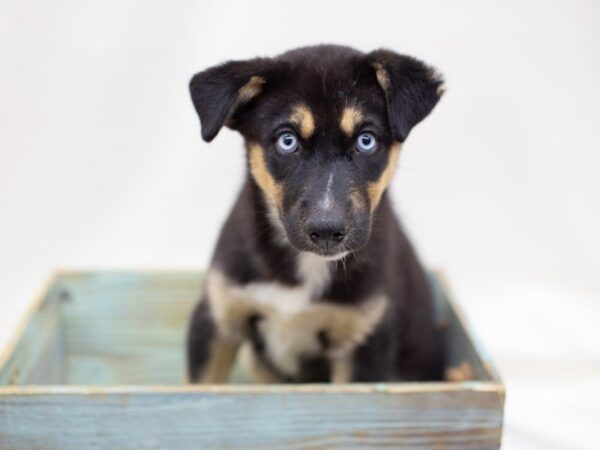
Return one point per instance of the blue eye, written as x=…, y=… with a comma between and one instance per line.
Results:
x=366, y=143
x=287, y=143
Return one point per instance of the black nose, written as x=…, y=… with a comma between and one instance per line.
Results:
x=327, y=232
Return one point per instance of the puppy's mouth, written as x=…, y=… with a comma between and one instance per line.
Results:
x=333, y=254
x=330, y=240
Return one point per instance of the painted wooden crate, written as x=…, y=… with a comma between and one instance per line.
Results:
x=99, y=364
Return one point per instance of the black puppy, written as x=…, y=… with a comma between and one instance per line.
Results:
x=312, y=274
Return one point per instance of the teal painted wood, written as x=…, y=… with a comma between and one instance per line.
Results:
x=465, y=419
x=128, y=328
x=38, y=356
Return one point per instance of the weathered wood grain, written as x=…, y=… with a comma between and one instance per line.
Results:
x=37, y=357
x=128, y=328
x=268, y=418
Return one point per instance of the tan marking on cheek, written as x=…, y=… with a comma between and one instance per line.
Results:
x=304, y=119
x=262, y=176
x=351, y=117
x=376, y=188
x=382, y=76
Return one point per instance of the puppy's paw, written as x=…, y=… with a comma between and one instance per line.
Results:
x=462, y=372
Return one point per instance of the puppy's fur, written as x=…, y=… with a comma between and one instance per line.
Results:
x=312, y=273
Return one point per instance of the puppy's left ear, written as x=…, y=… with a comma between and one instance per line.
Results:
x=219, y=91
x=412, y=89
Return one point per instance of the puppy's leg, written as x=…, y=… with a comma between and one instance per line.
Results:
x=210, y=355
x=371, y=360
x=341, y=370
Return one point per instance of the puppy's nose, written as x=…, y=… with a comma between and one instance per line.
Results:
x=327, y=232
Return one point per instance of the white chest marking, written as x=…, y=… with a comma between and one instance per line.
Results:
x=314, y=273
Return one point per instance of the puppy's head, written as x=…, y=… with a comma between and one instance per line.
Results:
x=323, y=128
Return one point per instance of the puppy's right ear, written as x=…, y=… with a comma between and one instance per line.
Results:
x=217, y=92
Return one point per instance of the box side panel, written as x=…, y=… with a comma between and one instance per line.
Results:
x=128, y=328
x=463, y=362
x=458, y=420
x=38, y=354
x=466, y=356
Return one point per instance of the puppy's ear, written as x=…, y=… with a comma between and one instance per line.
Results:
x=411, y=89
x=219, y=91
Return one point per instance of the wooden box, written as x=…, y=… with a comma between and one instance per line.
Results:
x=99, y=364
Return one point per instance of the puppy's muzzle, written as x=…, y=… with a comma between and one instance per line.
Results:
x=326, y=230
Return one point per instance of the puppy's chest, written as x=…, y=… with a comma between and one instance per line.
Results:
x=274, y=299
x=292, y=322
x=314, y=277
x=234, y=304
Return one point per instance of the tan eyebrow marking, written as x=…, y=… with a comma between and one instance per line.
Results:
x=376, y=188
x=304, y=119
x=262, y=176
x=350, y=119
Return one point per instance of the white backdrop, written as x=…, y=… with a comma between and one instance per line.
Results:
x=102, y=166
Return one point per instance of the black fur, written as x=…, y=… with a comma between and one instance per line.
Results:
x=199, y=338
x=405, y=344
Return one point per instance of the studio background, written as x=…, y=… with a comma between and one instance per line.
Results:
x=102, y=165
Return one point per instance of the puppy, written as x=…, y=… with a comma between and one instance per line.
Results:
x=312, y=274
